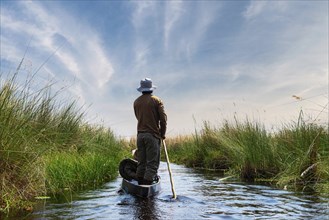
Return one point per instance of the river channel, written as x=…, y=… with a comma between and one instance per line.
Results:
x=200, y=196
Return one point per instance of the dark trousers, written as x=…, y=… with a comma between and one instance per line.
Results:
x=148, y=156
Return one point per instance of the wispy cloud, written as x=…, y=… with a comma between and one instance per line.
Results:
x=254, y=9
x=142, y=15
x=259, y=8
x=185, y=26
x=82, y=54
x=203, y=55
x=173, y=11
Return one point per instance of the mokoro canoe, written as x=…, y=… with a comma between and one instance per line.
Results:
x=144, y=191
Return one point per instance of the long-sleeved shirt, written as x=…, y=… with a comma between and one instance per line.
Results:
x=150, y=114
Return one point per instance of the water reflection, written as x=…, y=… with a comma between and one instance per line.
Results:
x=200, y=196
x=146, y=209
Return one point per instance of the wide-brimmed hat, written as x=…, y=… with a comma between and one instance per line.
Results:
x=146, y=85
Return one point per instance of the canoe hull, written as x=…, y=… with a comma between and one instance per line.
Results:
x=144, y=191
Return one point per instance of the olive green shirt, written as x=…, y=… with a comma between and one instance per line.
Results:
x=150, y=114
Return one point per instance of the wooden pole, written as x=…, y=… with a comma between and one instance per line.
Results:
x=170, y=174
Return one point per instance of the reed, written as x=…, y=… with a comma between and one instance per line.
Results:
x=46, y=146
x=184, y=150
x=252, y=154
x=87, y=164
x=296, y=156
x=303, y=154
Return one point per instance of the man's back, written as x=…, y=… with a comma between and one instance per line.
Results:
x=149, y=111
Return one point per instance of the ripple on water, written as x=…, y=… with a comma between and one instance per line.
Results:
x=198, y=197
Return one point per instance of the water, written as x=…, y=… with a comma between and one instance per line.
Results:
x=200, y=196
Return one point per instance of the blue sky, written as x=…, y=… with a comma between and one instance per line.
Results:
x=210, y=60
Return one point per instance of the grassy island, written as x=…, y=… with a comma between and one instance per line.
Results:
x=294, y=157
x=47, y=148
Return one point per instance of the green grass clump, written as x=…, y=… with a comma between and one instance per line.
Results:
x=244, y=148
x=46, y=146
x=296, y=156
x=249, y=148
x=183, y=150
x=303, y=152
x=69, y=171
x=91, y=162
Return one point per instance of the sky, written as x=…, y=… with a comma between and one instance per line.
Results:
x=210, y=60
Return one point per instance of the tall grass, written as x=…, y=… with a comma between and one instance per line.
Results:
x=45, y=146
x=303, y=152
x=250, y=148
x=89, y=163
x=184, y=150
x=296, y=156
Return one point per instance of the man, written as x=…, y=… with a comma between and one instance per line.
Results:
x=151, y=127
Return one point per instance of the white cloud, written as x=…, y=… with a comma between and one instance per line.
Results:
x=206, y=15
x=265, y=8
x=69, y=61
x=143, y=10
x=186, y=26
x=200, y=63
x=143, y=16
x=173, y=12
x=82, y=55
x=254, y=9
x=101, y=68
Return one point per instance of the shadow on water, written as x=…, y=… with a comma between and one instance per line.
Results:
x=199, y=196
x=141, y=208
